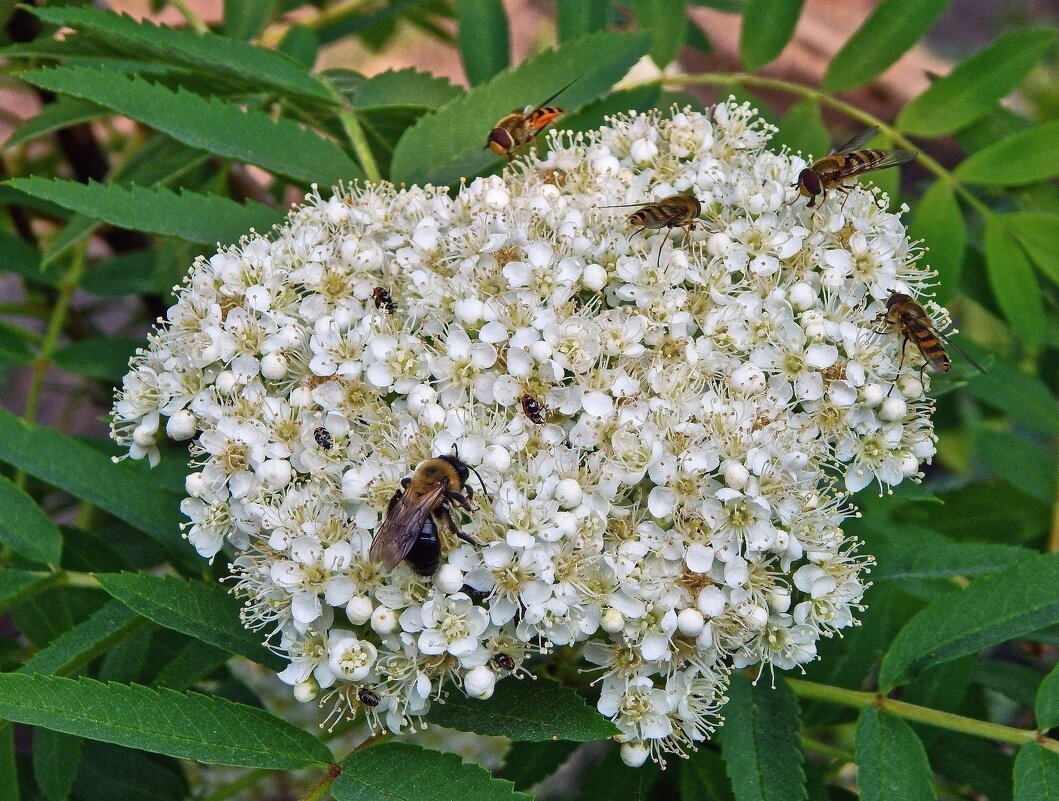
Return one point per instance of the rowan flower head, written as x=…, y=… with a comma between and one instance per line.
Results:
x=667, y=423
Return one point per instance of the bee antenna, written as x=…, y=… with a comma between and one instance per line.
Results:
x=485, y=492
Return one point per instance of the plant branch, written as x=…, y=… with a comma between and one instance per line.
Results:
x=335, y=12
x=192, y=18
x=351, y=125
x=921, y=714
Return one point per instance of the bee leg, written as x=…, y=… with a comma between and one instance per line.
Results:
x=406, y=482
x=393, y=501
x=456, y=530
x=464, y=501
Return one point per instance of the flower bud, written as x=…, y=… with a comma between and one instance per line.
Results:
x=612, y=621
x=359, y=609
x=274, y=366
x=182, y=425
x=448, y=579
x=383, y=620
x=634, y=754
x=479, y=682
x=690, y=622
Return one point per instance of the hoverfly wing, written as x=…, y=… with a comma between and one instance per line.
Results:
x=400, y=529
x=860, y=162
x=545, y=102
x=857, y=141
x=948, y=341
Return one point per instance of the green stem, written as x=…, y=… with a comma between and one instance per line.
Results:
x=824, y=749
x=851, y=111
x=321, y=19
x=320, y=790
x=67, y=286
x=351, y=125
x=72, y=578
x=192, y=18
x=921, y=714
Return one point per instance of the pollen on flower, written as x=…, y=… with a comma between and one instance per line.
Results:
x=704, y=402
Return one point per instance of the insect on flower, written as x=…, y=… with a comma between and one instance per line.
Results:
x=532, y=408
x=323, y=438
x=915, y=325
x=368, y=697
x=844, y=163
x=417, y=510
x=383, y=299
x=674, y=211
x=519, y=127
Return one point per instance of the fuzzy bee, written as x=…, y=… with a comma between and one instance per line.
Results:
x=519, y=127
x=417, y=511
x=844, y=163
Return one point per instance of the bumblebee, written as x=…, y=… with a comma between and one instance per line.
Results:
x=915, y=326
x=847, y=162
x=519, y=127
x=417, y=511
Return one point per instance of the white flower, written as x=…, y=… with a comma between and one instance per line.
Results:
x=658, y=420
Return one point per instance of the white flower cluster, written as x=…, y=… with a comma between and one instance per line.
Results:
x=667, y=427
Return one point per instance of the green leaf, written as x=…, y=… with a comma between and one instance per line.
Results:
x=528, y=763
x=939, y=223
x=25, y=529
x=904, y=552
x=1018, y=682
x=245, y=19
x=667, y=22
x=594, y=114
x=759, y=741
x=226, y=129
x=110, y=772
x=802, y=129
x=18, y=586
x=1014, y=284
x=1038, y=231
x=61, y=113
x=703, y=778
x=302, y=44
x=206, y=219
x=991, y=610
x=192, y=662
x=258, y=69
x=483, y=38
x=970, y=760
x=767, y=28
x=203, y=611
x=86, y=473
x=18, y=256
x=576, y=17
x=56, y=758
x=525, y=710
x=183, y=725
x=1019, y=461
x=1047, y=704
x=1022, y=158
x=891, y=761
x=448, y=144
x=406, y=87
x=975, y=85
x=75, y=648
x=403, y=772
x=1022, y=396
x=8, y=766
x=1036, y=774
x=106, y=359
x=893, y=27
x=613, y=780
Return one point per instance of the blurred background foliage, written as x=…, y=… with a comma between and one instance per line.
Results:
x=132, y=148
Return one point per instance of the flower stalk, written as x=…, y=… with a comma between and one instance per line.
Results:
x=921, y=714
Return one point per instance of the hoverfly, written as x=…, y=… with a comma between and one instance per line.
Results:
x=383, y=299
x=532, y=408
x=848, y=161
x=674, y=211
x=915, y=325
x=410, y=529
x=520, y=126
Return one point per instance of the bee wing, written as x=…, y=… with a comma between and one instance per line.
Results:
x=401, y=527
x=857, y=141
x=948, y=341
